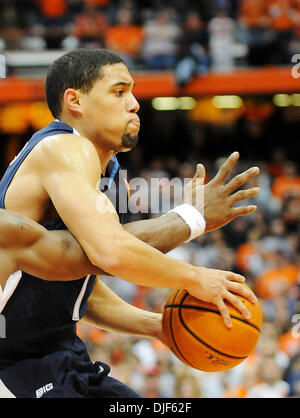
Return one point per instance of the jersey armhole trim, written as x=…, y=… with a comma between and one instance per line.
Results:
x=10, y=286
x=76, y=310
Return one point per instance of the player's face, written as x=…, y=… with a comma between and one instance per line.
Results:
x=110, y=109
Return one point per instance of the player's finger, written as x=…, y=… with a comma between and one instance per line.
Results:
x=241, y=179
x=199, y=177
x=233, y=276
x=241, y=290
x=244, y=194
x=238, y=304
x=193, y=191
x=226, y=168
x=224, y=312
x=200, y=172
x=242, y=210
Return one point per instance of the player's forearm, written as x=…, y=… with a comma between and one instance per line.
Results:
x=163, y=233
x=138, y=322
x=133, y=260
x=106, y=310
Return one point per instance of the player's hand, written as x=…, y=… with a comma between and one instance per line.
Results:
x=215, y=200
x=215, y=286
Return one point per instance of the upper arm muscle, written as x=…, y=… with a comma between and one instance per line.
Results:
x=70, y=170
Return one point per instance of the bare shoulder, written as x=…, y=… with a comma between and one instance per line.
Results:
x=17, y=230
x=67, y=151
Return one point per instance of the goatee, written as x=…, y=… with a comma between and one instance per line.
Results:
x=129, y=141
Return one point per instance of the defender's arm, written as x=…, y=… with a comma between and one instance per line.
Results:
x=106, y=310
x=50, y=255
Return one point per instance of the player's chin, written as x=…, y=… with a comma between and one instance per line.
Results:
x=129, y=141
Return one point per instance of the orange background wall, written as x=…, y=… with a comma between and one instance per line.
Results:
x=254, y=81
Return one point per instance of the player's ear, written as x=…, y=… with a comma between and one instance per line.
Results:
x=72, y=101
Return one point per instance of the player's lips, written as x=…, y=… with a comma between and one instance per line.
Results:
x=135, y=122
x=135, y=125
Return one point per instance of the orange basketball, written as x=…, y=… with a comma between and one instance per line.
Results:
x=196, y=333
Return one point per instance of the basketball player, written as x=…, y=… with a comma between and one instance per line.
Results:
x=55, y=181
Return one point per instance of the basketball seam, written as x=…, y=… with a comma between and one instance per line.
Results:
x=199, y=308
x=199, y=339
x=172, y=334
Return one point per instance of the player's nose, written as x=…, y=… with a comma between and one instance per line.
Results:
x=133, y=105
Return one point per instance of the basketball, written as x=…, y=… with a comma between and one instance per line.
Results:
x=196, y=334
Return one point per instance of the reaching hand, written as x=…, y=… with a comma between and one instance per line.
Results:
x=215, y=200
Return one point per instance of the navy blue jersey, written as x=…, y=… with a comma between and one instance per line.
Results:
x=41, y=315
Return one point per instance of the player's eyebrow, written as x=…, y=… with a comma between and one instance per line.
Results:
x=124, y=83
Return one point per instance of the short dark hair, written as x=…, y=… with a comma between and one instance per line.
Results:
x=77, y=69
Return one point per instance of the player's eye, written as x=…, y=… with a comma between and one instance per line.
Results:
x=119, y=93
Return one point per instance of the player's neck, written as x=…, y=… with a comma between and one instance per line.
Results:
x=104, y=156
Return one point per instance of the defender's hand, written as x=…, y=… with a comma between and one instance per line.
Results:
x=215, y=200
x=215, y=286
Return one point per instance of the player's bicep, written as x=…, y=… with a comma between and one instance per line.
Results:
x=88, y=214
x=70, y=170
x=78, y=202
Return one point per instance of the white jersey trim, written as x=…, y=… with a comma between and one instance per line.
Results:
x=75, y=132
x=77, y=305
x=10, y=287
x=5, y=392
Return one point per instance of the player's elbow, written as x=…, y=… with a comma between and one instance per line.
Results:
x=107, y=259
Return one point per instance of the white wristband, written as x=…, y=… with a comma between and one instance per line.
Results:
x=193, y=218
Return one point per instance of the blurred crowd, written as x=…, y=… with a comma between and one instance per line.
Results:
x=265, y=248
x=189, y=37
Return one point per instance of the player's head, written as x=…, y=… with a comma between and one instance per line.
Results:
x=95, y=88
